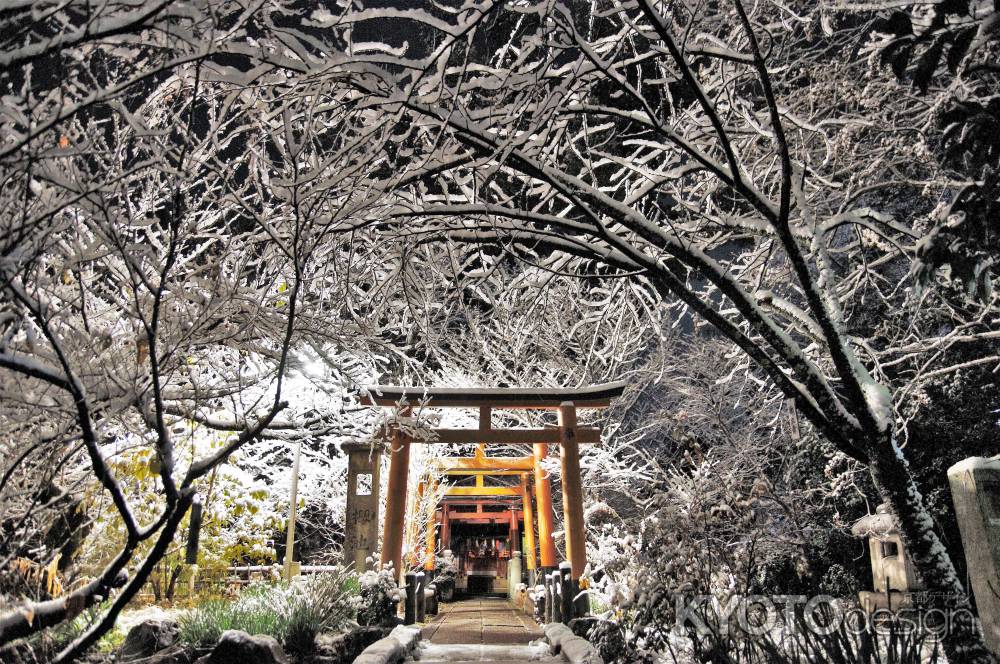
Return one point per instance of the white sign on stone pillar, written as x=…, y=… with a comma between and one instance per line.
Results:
x=975, y=490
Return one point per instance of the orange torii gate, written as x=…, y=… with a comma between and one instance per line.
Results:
x=528, y=468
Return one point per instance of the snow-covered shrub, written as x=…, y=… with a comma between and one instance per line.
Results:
x=240, y=514
x=379, y=595
x=292, y=613
x=259, y=609
x=612, y=546
x=324, y=602
x=891, y=642
x=447, y=564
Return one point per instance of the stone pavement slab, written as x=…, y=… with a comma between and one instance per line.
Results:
x=481, y=621
x=434, y=653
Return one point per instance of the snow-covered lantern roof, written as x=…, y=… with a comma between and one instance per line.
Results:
x=892, y=569
x=882, y=524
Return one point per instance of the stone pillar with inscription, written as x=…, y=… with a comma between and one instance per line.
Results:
x=361, y=516
x=975, y=490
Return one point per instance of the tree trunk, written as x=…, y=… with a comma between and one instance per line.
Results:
x=157, y=592
x=175, y=574
x=962, y=641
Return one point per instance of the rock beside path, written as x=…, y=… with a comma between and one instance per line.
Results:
x=148, y=638
x=237, y=647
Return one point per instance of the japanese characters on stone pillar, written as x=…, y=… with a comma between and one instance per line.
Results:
x=975, y=490
x=361, y=516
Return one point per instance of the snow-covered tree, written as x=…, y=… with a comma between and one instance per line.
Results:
x=709, y=151
x=165, y=263
x=199, y=201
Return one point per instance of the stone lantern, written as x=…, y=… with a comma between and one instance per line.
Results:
x=895, y=580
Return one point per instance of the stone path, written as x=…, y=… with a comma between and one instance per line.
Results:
x=481, y=620
x=482, y=630
x=467, y=654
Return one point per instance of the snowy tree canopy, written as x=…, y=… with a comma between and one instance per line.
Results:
x=219, y=219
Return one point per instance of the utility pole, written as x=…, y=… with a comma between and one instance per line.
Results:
x=292, y=507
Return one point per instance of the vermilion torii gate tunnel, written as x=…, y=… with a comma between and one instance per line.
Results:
x=463, y=507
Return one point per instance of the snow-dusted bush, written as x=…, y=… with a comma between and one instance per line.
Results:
x=379, y=595
x=447, y=564
x=612, y=544
x=292, y=613
x=322, y=603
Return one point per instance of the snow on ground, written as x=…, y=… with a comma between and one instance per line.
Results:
x=129, y=619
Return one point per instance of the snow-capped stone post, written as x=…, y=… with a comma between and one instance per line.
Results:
x=549, y=598
x=513, y=574
x=421, y=598
x=539, y=598
x=975, y=490
x=410, y=609
x=431, y=598
x=567, y=591
x=555, y=584
x=514, y=564
x=361, y=515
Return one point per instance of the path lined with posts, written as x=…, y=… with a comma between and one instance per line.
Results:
x=481, y=620
x=483, y=629
x=496, y=629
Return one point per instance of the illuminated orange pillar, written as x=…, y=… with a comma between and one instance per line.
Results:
x=543, y=502
x=395, y=500
x=445, y=528
x=514, y=531
x=431, y=541
x=572, y=490
x=529, y=524
x=412, y=524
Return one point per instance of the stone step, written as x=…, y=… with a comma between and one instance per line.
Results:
x=459, y=653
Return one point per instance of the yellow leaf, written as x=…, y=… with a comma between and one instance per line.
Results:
x=52, y=583
x=283, y=287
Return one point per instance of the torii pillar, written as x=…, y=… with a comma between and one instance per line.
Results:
x=576, y=539
x=530, y=559
x=430, y=541
x=395, y=500
x=543, y=501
